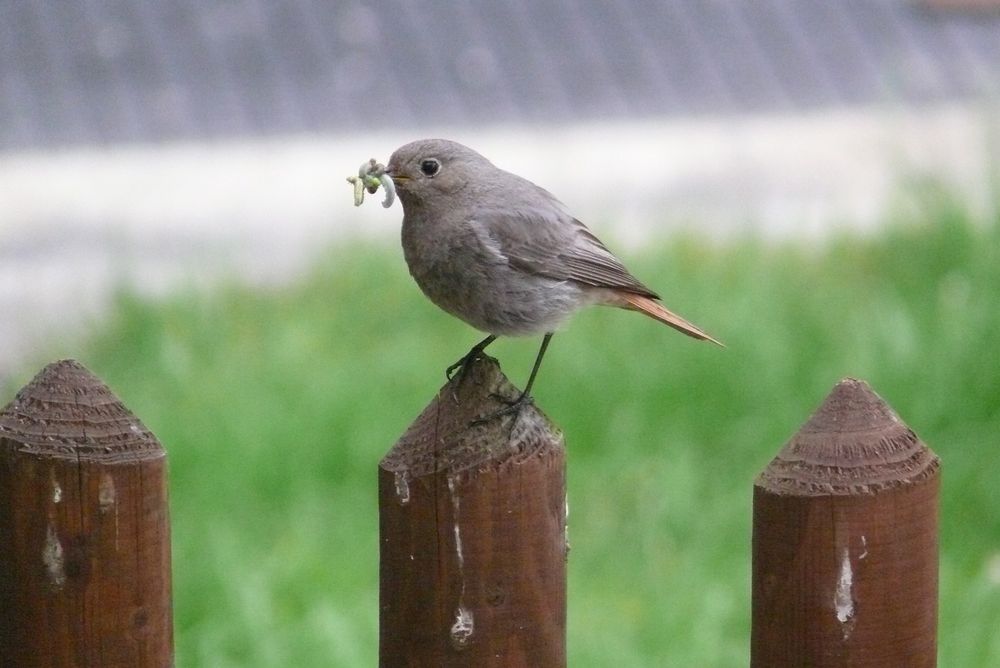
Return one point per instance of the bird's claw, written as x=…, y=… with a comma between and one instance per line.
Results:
x=450, y=371
x=461, y=366
x=512, y=407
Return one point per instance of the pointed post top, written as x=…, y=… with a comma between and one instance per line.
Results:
x=67, y=412
x=446, y=437
x=851, y=407
x=853, y=444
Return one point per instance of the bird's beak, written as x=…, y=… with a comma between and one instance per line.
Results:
x=394, y=173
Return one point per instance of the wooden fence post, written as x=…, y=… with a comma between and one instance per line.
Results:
x=84, y=531
x=473, y=534
x=845, y=541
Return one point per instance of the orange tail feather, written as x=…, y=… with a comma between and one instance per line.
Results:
x=657, y=311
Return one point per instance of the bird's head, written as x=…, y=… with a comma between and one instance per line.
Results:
x=433, y=169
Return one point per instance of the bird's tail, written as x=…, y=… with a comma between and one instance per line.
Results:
x=657, y=311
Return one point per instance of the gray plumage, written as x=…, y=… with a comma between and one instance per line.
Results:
x=500, y=253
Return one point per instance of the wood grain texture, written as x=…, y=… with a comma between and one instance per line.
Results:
x=845, y=541
x=473, y=534
x=84, y=529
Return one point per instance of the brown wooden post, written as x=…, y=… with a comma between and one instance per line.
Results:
x=845, y=541
x=84, y=531
x=473, y=534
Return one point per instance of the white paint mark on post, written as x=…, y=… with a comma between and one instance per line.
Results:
x=566, y=522
x=463, y=628
x=458, y=547
x=456, y=506
x=402, y=487
x=106, y=492
x=52, y=557
x=106, y=497
x=57, y=492
x=864, y=548
x=843, y=598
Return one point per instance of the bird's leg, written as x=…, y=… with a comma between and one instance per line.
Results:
x=463, y=364
x=525, y=396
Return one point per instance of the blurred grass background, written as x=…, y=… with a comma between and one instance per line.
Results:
x=276, y=405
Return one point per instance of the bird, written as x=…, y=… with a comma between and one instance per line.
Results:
x=503, y=254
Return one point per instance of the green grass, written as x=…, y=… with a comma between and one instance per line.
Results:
x=275, y=407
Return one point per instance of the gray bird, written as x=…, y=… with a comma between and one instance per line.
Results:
x=502, y=254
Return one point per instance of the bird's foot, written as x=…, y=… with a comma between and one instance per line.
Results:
x=511, y=408
x=462, y=367
x=464, y=363
x=458, y=365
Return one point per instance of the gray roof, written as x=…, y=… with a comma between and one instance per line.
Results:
x=106, y=71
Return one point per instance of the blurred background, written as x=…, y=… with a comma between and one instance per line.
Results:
x=813, y=182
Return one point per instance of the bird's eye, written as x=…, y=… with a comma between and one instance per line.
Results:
x=430, y=167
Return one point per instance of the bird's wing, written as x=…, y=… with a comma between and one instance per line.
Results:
x=545, y=241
